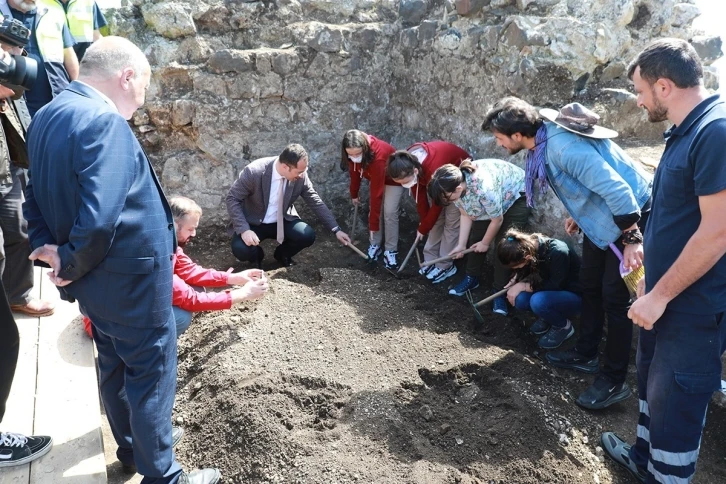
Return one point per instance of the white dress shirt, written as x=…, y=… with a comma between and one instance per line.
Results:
x=271, y=213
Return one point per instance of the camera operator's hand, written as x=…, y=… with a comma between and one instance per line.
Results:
x=6, y=92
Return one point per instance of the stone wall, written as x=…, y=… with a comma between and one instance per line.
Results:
x=236, y=80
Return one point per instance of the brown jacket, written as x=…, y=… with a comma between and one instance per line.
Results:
x=14, y=123
x=249, y=196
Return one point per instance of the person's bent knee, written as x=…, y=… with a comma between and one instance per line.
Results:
x=242, y=251
x=538, y=303
x=303, y=235
x=523, y=301
x=183, y=319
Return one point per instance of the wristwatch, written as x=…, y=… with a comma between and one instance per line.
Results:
x=336, y=229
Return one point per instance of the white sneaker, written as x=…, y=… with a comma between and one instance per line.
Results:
x=444, y=274
x=433, y=273
x=374, y=251
x=389, y=259
x=424, y=271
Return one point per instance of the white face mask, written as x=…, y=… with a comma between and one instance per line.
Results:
x=413, y=181
x=356, y=159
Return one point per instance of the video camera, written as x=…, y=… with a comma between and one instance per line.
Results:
x=16, y=71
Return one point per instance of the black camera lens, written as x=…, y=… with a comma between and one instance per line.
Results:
x=19, y=72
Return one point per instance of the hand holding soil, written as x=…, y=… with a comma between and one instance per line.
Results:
x=250, y=291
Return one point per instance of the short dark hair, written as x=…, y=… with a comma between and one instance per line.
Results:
x=292, y=154
x=354, y=138
x=673, y=59
x=512, y=115
x=401, y=165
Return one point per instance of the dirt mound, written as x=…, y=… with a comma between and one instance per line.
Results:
x=346, y=374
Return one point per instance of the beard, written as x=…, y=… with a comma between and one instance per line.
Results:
x=659, y=112
x=25, y=6
x=183, y=244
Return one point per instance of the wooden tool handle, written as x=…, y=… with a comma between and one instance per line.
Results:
x=447, y=257
x=491, y=298
x=408, y=256
x=358, y=251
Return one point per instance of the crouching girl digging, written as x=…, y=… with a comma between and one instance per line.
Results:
x=553, y=289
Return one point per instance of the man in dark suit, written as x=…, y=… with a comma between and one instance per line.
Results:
x=257, y=214
x=98, y=216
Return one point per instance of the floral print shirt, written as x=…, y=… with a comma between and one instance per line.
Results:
x=491, y=189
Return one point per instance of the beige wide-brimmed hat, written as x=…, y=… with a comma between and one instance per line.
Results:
x=577, y=118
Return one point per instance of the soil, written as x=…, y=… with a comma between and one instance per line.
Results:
x=346, y=374
x=343, y=373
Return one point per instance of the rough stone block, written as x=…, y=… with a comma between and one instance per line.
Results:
x=327, y=40
x=271, y=85
x=244, y=86
x=683, y=14
x=615, y=70
x=427, y=30
x=172, y=20
x=230, y=60
x=470, y=7
x=412, y=12
x=708, y=47
x=182, y=112
x=521, y=33
x=285, y=63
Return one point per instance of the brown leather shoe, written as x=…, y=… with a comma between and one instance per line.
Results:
x=34, y=307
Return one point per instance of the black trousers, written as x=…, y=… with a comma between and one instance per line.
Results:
x=298, y=236
x=9, y=348
x=605, y=293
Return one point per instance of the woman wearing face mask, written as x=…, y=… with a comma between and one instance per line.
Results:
x=364, y=156
x=413, y=169
x=489, y=196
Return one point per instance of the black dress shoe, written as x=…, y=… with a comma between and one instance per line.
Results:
x=176, y=435
x=202, y=476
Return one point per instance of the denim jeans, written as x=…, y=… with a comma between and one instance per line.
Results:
x=555, y=307
x=183, y=319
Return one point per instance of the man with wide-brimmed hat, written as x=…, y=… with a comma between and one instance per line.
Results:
x=607, y=195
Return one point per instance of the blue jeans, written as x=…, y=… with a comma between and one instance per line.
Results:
x=183, y=319
x=555, y=307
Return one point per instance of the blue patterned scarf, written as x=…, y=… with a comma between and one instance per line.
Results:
x=535, y=167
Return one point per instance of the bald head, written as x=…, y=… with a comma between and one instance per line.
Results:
x=118, y=69
x=108, y=56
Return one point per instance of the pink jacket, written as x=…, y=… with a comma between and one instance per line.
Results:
x=187, y=274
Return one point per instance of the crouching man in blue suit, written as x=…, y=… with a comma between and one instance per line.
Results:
x=98, y=216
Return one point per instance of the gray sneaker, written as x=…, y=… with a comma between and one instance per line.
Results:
x=556, y=336
x=619, y=451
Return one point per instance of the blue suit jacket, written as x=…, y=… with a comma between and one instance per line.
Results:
x=93, y=192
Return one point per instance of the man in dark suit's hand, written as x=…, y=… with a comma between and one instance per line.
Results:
x=48, y=253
